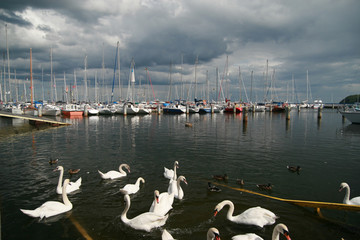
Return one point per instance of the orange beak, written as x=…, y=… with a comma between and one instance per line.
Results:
x=215, y=212
x=286, y=234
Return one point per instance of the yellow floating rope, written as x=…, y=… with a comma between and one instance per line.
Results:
x=80, y=228
x=312, y=204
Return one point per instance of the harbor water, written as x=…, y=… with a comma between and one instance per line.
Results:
x=257, y=150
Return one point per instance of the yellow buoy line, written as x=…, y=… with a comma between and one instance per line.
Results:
x=303, y=203
x=81, y=230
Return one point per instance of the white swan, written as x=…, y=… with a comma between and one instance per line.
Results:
x=145, y=221
x=115, y=174
x=162, y=203
x=347, y=200
x=169, y=173
x=132, y=188
x=51, y=208
x=174, y=187
x=279, y=228
x=253, y=216
x=166, y=235
x=73, y=186
x=213, y=234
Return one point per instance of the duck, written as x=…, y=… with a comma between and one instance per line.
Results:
x=347, y=200
x=162, y=203
x=278, y=229
x=240, y=182
x=145, y=221
x=257, y=216
x=213, y=188
x=174, y=187
x=169, y=173
x=294, y=168
x=221, y=177
x=74, y=171
x=115, y=174
x=73, y=186
x=265, y=186
x=188, y=124
x=132, y=188
x=53, y=161
x=51, y=208
x=212, y=234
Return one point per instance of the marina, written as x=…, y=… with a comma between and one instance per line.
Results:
x=257, y=150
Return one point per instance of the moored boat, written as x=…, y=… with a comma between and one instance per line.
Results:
x=351, y=114
x=71, y=110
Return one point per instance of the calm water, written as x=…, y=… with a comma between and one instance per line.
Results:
x=258, y=152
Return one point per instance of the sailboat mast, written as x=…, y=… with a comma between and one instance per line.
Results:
x=118, y=61
x=85, y=80
x=31, y=83
x=196, y=63
x=51, y=77
x=8, y=62
x=113, y=84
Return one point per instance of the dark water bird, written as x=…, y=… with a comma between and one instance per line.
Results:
x=294, y=168
x=240, y=182
x=213, y=188
x=264, y=186
x=221, y=177
x=74, y=171
x=188, y=124
x=53, y=161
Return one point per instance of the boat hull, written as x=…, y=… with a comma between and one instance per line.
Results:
x=352, y=116
x=72, y=113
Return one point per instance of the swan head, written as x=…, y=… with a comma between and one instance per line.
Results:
x=217, y=209
x=281, y=228
x=343, y=185
x=156, y=195
x=213, y=233
x=126, y=166
x=182, y=178
x=176, y=164
x=58, y=168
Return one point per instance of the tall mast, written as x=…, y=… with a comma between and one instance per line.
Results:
x=85, y=80
x=169, y=97
x=118, y=61
x=132, y=80
x=5, y=99
x=16, y=87
x=42, y=83
x=31, y=83
x=196, y=63
x=51, y=77
x=181, y=77
x=207, y=86
x=103, y=75
x=8, y=62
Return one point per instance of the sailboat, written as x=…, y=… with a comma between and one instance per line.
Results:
x=129, y=108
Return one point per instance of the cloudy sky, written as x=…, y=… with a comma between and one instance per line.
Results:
x=167, y=36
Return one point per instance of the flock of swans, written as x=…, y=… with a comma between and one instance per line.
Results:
x=162, y=204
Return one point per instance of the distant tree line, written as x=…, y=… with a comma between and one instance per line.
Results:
x=351, y=99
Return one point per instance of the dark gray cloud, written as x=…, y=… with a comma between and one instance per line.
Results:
x=320, y=36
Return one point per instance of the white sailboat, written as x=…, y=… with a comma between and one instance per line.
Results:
x=129, y=107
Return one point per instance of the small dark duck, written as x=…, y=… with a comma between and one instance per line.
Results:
x=240, y=182
x=213, y=188
x=53, y=161
x=74, y=171
x=221, y=177
x=264, y=186
x=294, y=168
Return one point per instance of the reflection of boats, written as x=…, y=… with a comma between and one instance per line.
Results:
x=72, y=110
x=351, y=114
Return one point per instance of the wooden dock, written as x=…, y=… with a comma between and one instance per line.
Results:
x=33, y=119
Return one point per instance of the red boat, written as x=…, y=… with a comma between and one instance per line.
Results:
x=72, y=110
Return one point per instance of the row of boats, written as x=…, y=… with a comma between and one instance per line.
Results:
x=130, y=108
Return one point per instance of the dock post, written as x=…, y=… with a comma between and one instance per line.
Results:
x=287, y=111
x=245, y=111
x=234, y=108
x=158, y=109
x=298, y=107
x=187, y=108
x=86, y=112
x=319, y=112
x=40, y=111
x=212, y=108
x=253, y=108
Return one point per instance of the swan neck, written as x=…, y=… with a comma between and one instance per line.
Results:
x=60, y=178
x=65, y=197
x=275, y=234
x=231, y=209
x=126, y=209
x=175, y=177
x=347, y=194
